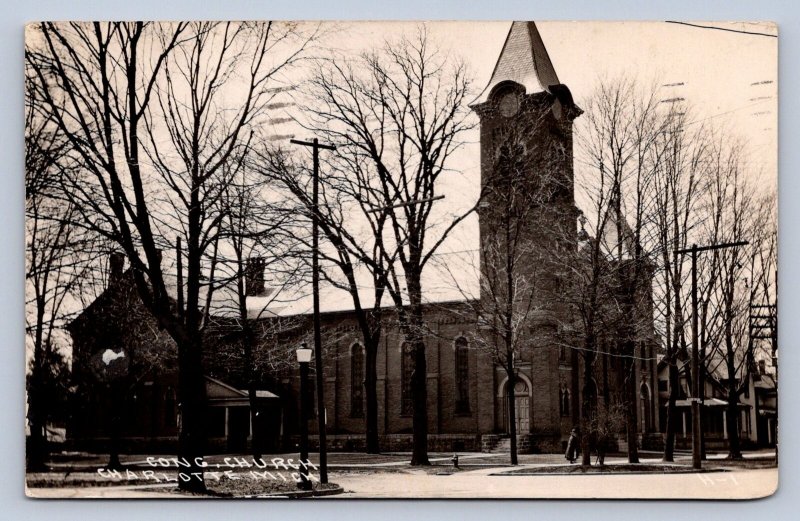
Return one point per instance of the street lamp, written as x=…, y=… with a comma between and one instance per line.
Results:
x=111, y=368
x=303, y=358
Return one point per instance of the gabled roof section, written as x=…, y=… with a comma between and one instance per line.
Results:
x=523, y=60
x=217, y=389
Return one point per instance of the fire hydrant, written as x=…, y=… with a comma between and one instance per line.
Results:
x=454, y=459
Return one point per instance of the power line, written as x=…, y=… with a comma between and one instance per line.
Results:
x=754, y=33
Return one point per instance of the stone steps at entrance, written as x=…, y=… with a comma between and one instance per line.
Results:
x=502, y=447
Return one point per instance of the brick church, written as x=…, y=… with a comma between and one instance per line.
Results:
x=467, y=398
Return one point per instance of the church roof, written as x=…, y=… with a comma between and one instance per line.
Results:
x=523, y=60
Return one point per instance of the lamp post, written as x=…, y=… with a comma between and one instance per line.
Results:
x=111, y=368
x=303, y=358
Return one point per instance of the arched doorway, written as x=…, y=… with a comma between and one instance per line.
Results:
x=522, y=405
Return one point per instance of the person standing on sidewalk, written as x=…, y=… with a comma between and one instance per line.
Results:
x=572, y=446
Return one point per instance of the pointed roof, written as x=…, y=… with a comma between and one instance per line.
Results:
x=523, y=60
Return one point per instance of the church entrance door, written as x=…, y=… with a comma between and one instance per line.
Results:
x=521, y=407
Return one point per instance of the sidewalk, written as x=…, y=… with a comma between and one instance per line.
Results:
x=478, y=475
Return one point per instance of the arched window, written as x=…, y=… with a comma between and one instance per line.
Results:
x=462, y=376
x=356, y=381
x=643, y=351
x=407, y=363
x=647, y=421
x=563, y=398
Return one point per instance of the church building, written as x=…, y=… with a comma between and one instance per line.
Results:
x=524, y=107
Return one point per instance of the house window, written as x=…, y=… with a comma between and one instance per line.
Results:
x=563, y=400
x=462, y=376
x=356, y=381
x=407, y=363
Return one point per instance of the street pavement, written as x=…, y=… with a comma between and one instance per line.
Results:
x=485, y=483
x=485, y=476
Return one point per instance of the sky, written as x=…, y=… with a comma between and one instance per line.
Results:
x=728, y=78
x=717, y=67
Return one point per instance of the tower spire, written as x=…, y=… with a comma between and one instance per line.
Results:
x=523, y=60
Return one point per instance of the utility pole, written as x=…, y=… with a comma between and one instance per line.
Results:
x=696, y=377
x=320, y=381
x=764, y=317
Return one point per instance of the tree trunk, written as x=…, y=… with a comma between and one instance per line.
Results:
x=191, y=380
x=419, y=376
x=256, y=443
x=606, y=391
x=586, y=443
x=588, y=430
x=628, y=278
x=114, y=425
x=419, y=392
x=512, y=414
x=191, y=386
x=631, y=416
x=732, y=416
x=732, y=421
x=37, y=413
x=249, y=363
x=371, y=396
x=575, y=388
x=672, y=412
x=589, y=399
x=37, y=416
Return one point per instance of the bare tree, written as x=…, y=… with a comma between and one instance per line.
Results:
x=254, y=265
x=593, y=293
x=513, y=267
x=765, y=267
x=731, y=343
x=60, y=264
x=348, y=256
x=677, y=192
x=396, y=115
x=621, y=144
x=183, y=97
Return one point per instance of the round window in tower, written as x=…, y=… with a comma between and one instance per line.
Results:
x=509, y=104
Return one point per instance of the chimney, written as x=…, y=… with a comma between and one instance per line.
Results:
x=116, y=265
x=254, y=277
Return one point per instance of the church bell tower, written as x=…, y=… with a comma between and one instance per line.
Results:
x=526, y=120
x=525, y=111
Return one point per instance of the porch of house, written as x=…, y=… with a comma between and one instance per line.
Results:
x=715, y=426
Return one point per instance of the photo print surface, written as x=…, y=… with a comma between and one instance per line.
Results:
x=401, y=259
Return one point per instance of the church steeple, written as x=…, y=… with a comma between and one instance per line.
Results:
x=523, y=60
